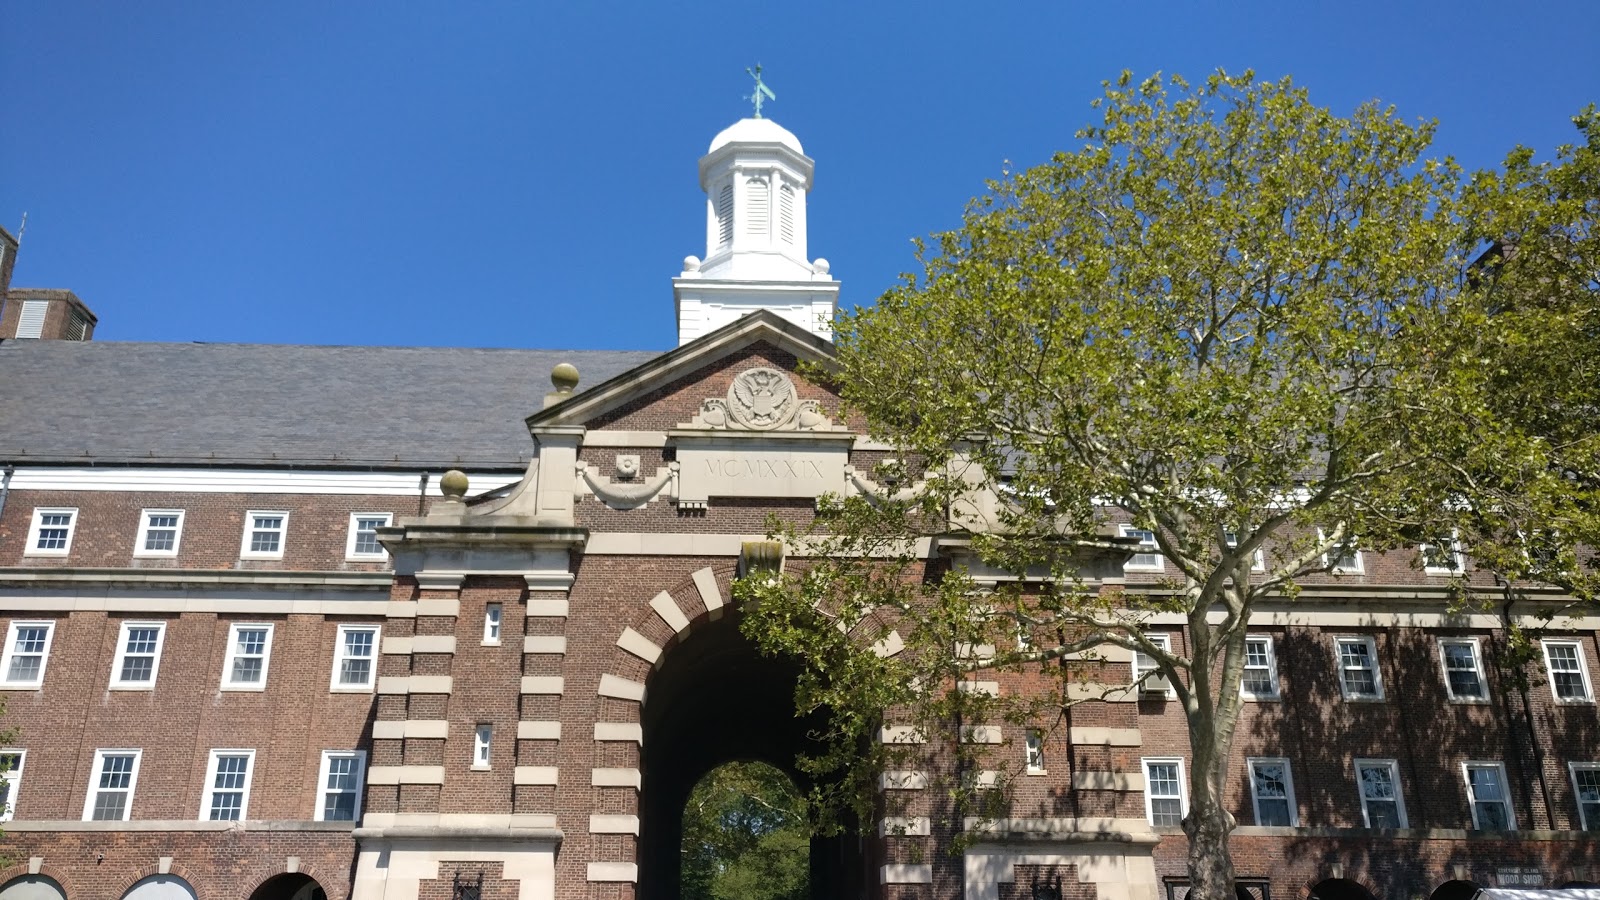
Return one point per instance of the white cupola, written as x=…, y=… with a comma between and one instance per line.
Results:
x=756, y=177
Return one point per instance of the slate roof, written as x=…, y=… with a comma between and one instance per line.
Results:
x=107, y=402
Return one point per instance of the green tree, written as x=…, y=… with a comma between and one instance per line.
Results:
x=1231, y=320
x=745, y=836
x=1533, y=319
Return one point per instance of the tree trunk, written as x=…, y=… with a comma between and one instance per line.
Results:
x=1210, y=863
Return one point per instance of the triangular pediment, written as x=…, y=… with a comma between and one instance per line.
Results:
x=750, y=344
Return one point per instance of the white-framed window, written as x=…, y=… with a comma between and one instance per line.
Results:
x=160, y=530
x=482, y=742
x=491, y=624
x=1149, y=558
x=1144, y=663
x=1260, y=681
x=1166, y=794
x=363, y=540
x=1491, y=801
x=138, y=658
x=244, y=668
x=1342, y=560
x=50, y=534
x=264, y=532
x=1586, y=785
x=1033, y=752
x=1569, y=674
x=1382, y=804
x=1272, y=790
x=1359, y=678
x=355, y=658
x=1258, y=563
x=11, y=762
x=111, y=785
x=1463, y=669
x=27, y=651
x=339, y=785
x=227, y=795
x=1443, y=558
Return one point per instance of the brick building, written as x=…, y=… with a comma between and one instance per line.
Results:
x=351, y=622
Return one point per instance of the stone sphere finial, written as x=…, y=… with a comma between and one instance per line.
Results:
x=565, y=377
x=453, y=485
x=819, y=266
x=691, y=263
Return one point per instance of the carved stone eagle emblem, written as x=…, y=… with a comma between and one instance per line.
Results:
x=762, y=399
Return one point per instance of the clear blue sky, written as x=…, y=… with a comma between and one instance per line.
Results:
x=523, y=174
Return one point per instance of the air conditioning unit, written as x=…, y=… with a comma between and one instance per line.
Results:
x=1155, y=683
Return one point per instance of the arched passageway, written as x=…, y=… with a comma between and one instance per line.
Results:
x=1455, y=890
x=160, y=887
x=32, y=887
x=1340, y=889
x=714, y=700
x=289, y=886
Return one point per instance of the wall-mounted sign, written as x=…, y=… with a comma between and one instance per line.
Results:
x=1518, y=876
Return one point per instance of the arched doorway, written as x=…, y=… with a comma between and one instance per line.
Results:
x=32, y=887
x=160, y=887
x=1340, y=889
x=1455, y=890
x=289, y=886
x=715, y=700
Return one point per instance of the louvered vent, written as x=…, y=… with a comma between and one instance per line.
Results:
x=77, y=327
x=725, y=215
x=786, y=214
x=31, y=325
x=759, y=206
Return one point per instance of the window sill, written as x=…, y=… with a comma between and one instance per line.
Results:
x=1576, y=701
x=21, y=686
x=245, y=688
x=151, y=554
x=1468, y=701
x=381, y=558
x=350, y=689
x=1032, y=772
x=57, y=554
x=131, y=687
x=490, y=644
x=480, y=769
x=1365, y=700
x=1261, y=698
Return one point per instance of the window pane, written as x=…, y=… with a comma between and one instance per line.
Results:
x=1273, y=812
x=247, y=670
x=108, y=806
x=1485, y=783
x=1377, y=783
x=137, y=668
x=1383, y=814
x=1164, y=779
x=53, y=529
x=1492, y=816
x=1588, y=797
x=1461, y=664
x=1255, y=653
x=1257, y=681
x=1566, y=671
x=1166, y=812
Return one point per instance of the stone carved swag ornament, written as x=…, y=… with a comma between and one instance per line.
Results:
x=761, y=399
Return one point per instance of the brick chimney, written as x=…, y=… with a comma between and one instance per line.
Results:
x=45, y=313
